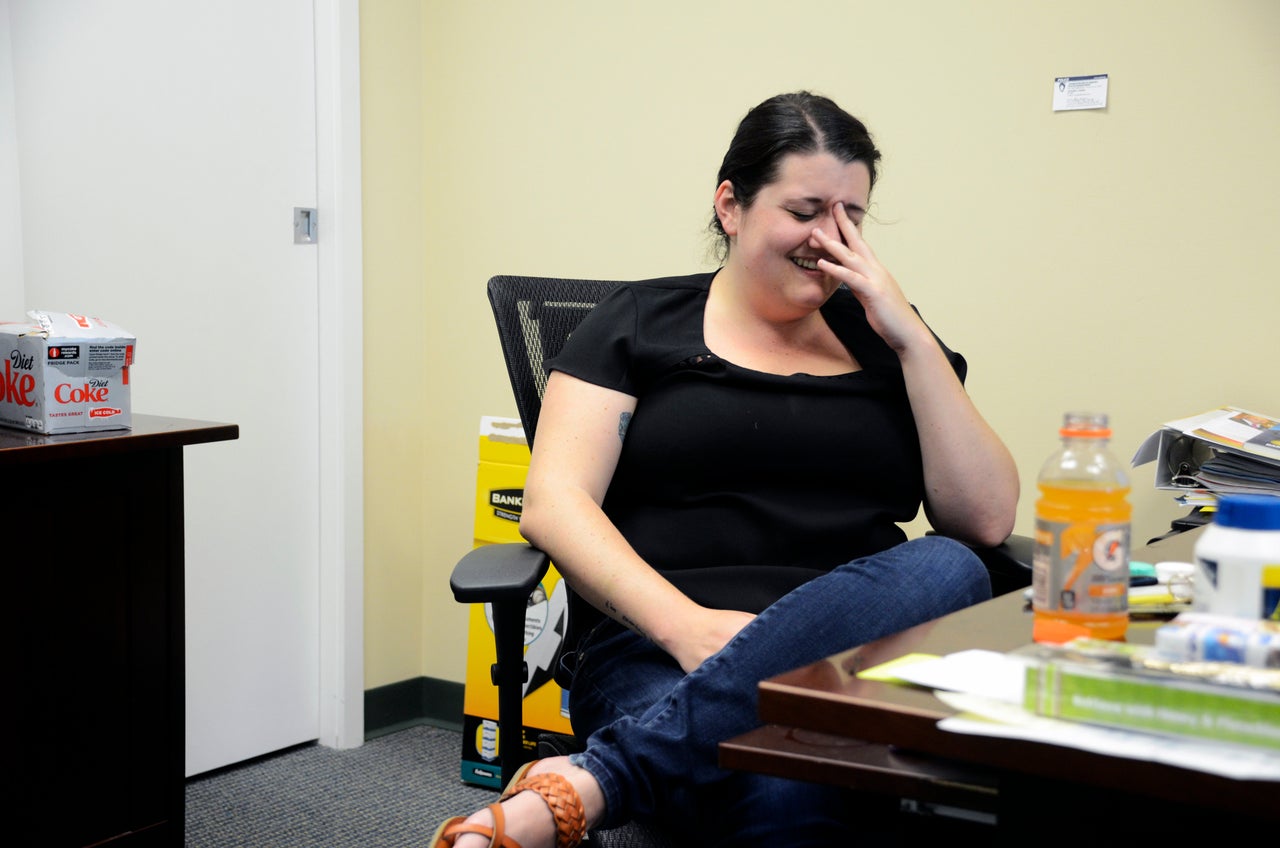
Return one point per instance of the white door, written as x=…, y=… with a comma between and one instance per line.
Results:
x=163, y=145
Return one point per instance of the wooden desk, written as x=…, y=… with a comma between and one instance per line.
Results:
x=92, y=530
x=813, y=712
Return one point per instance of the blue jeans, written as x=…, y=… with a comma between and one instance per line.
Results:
x=653, y=732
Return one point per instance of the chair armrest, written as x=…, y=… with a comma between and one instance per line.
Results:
x=504, y=575
x=505, y=571
x=1008, y=564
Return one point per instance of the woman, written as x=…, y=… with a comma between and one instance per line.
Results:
x=721, y=464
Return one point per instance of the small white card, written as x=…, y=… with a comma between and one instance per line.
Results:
x=989, y=674
x=1071, y=93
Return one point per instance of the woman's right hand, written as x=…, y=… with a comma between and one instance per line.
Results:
x=704, y=636
x=855, y=264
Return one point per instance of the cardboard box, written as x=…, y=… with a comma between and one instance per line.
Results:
x=503, y=463
x=65, y=373
x=502, y=467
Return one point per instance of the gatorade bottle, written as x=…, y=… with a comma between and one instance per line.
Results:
x=1080, y=566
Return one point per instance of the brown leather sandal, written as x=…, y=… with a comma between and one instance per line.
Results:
x=448, y=832
x=520, y=775
x=560, y=796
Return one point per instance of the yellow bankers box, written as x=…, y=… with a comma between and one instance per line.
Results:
x=504, y=462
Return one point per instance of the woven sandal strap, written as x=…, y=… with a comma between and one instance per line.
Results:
x=515, y=779
x=566, y=806
x=497, y=834
x=499, y=826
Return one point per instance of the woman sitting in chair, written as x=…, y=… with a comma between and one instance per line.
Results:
x=721, y=465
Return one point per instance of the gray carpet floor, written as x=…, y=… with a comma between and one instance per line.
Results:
x=392, y=792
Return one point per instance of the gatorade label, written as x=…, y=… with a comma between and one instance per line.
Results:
x=1081, y=568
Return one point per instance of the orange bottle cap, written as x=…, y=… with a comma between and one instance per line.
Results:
x=1089, y=433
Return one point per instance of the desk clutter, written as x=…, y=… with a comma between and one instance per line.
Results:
x=1115, y=698
x=1197, y=685
x=65, y=373
x=1160, y=589
x=1224, y=451
x=1156, y=591
x=1207, y=677
x=1235, y=571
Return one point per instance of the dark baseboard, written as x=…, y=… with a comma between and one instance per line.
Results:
x=409, y=703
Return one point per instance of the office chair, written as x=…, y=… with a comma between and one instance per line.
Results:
x=535, y=316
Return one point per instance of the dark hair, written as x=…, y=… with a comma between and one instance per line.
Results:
x=800, y=122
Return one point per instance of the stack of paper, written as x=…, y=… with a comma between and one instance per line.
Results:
x=989, y=689
x=1225, y=451
x=1128, y=686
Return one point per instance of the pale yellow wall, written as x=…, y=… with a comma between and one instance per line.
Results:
x=1124, y=260
x=396, y=314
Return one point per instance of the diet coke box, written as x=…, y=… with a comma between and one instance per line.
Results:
x=65, y=373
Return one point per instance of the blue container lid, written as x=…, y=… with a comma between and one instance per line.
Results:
x=1248, y=512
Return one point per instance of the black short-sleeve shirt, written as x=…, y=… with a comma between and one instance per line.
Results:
x=739, y=485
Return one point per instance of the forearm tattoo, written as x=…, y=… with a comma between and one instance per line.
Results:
x=624, y=420
x=618, y=616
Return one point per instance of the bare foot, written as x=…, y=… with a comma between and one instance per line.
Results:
x=528, y=818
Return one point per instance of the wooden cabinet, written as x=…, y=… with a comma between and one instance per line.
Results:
x=91, y=537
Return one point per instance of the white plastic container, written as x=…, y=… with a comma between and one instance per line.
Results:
x=1238, y=559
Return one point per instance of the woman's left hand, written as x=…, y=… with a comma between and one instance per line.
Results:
x=706, y=636
x=853, y=263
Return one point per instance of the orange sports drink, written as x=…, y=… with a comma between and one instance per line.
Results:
x=1080, y=568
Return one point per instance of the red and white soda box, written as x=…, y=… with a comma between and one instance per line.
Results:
x=65, y=373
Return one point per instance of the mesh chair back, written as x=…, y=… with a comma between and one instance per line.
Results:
x=535, y=315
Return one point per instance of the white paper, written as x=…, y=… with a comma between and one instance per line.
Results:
x=1088, y=92
x=987, y=687
x=988, y=674
x=985, y=717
